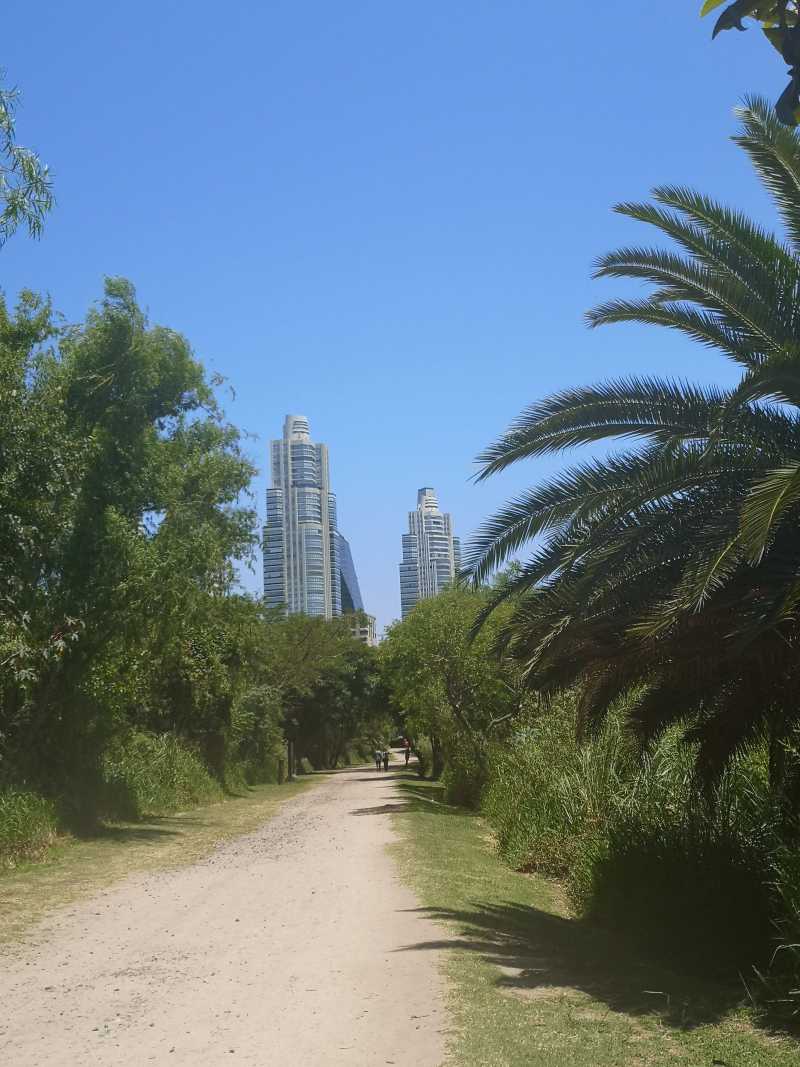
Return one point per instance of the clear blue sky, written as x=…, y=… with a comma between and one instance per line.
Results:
x=382, y=216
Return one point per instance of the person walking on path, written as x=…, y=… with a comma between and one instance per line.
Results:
x=386, y=759
x=407, y=747
x=378, y=756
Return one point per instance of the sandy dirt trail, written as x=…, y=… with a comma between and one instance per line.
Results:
x=291, y=945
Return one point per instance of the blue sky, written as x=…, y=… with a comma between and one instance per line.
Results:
x=382, y=216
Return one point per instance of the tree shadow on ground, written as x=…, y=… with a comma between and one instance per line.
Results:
x=374, y=777
x=428, y=798
x=146, y=832
x=539, y=954
x=394, y=808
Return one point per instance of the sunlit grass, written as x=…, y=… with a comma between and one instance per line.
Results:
x=529, y=985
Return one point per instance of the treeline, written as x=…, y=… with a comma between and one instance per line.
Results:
x=134, y=677
x=625, y=705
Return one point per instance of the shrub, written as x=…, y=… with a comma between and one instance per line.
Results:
x=27, y=826
x=147, y=774
x=693, y=892
x=640, y=846
x=424, y=754
x=464, y=777
x=784, y=983
x=545, y=794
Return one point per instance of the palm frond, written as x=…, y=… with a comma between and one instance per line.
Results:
x=654, y=408
x=766, y=505
x=775, y=152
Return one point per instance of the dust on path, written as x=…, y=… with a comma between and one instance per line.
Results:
x=293, y=944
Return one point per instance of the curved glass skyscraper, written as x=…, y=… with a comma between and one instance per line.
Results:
x=301, y=546
x=431, y=554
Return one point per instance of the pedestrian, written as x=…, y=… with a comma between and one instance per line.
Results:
x=386, y=759
x=407, y=747
x=378, y=757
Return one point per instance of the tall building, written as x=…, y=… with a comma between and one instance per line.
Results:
x=350, y=591
x=301, y=541
x=362, y=625
x=431, y=555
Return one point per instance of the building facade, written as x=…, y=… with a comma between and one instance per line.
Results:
x=302, y=572
x=362, y=627
x=350, y=590
x=431, y=554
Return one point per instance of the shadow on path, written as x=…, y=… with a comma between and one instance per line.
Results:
x=397, y=808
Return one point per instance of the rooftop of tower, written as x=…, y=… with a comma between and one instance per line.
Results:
x=296, y=427
x=427, y=499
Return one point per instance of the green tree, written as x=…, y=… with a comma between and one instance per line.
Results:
x=121, y=515
x=671, y=570
x=26, y=191
x=780, y=21
x=329, y=686
x=448, y=686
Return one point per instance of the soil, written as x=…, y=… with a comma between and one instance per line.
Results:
x=292, y=944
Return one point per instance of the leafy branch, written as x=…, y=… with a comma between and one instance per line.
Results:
x=26, y=194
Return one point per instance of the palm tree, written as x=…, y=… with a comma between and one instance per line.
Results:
x=672, y=568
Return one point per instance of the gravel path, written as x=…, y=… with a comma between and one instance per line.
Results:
x=286, y=946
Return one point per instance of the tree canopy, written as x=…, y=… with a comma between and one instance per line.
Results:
x=669, y=570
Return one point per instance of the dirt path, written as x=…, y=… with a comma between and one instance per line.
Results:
x=284, y=946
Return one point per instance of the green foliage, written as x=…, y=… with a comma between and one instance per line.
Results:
x=424, y=754
x=638, y=852
x=145, y=775
x=26, y=192
x=27, y=826
x=332, y=692
x=546, y=794
x=120, y=518
x=785, y=980
x=447, y=688
x=666, y=573
x=780, y=22
x=683, y=887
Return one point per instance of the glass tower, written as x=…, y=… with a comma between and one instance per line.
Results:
x=431, y=555
x=351, y=591
x=301, y=546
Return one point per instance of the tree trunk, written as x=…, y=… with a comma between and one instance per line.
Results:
x=437, y=758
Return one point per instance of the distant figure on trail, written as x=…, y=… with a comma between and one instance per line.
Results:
x=386, y=759
x=407, y=747
x=378, y=756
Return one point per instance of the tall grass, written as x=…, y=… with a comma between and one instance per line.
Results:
x=28, y=826
x=641, y=848
x=546, y=795
x=783, y=981
x=145, y=774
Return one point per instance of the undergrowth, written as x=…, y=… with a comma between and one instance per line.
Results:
x=703, y=879
x=28, y=826
x=154, y=775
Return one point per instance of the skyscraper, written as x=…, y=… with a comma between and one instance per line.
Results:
x=431, y=555
x=351, y=592
x=301, y=547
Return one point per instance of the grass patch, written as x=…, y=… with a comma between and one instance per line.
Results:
x=27, y=826
x=78, y=867
x=529, y=985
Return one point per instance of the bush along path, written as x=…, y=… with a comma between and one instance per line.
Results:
x=284, y=945
x=529, y=985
